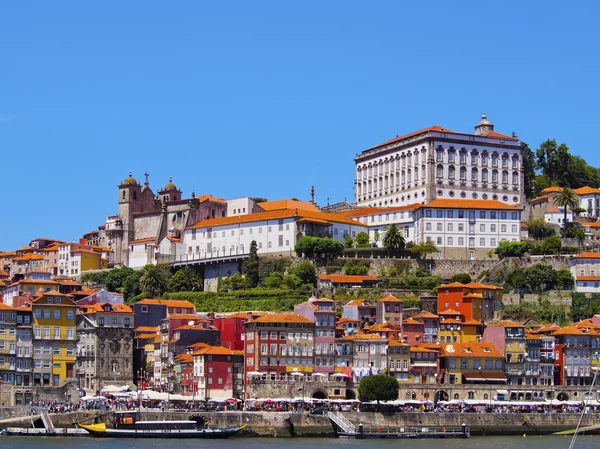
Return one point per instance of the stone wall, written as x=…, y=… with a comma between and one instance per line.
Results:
x=556, y=297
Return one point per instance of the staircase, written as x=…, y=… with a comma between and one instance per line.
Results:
x=342, y=422
x=47, y=421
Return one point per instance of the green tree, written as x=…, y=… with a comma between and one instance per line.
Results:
x=511, y=249
x=528, y=170
x=376, y=238
x=572, y=231
x=553, y=160
x=567, y=199
x=258, y=199
x=539, y=229
x=234, y=282
x=380, y=387
x=306, y=272
x=319, y=247
x=362, y=239
x=463, y=278
x=348, y=242
x=131, y=286
x=583, y=307
x=274, y=280
x=423, y=249
x=116, y=278
x=540, y=277
x=564, y=279
x=355, y=267
x=393, y=238
x=153, y=281
x=550, y=245
x=578, y=210
x=184, y=280
x=250, y=267
x=292, y=282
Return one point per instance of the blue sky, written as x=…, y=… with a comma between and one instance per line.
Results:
x=266, y=98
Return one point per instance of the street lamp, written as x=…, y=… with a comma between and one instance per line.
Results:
x=490, y=388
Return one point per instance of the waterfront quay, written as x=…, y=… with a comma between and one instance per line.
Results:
x=290, y=424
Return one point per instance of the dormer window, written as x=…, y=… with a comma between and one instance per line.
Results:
x=50, y=300
x=57, y=300
x=486, y=349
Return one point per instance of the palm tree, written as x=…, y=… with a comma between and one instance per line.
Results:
x=567, y=199
x=153, y=282
x=393, y=237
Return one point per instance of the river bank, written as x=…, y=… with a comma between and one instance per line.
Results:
x=286, y=424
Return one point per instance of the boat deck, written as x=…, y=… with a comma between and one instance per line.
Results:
x=58, y=432
x=393, y=432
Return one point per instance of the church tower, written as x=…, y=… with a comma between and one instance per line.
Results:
x=484, y=126
x=130, y=202
x=169, y=192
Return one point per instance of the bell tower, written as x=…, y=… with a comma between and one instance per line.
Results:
x=130, y=202
x=484, y=126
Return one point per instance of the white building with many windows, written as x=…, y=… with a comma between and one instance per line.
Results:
x=436, y=162
x=466, y=229
x=275, y=231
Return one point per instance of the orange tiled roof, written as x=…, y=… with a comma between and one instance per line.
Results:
x=8, y=254
x=347, y=278
x=145, y=336
x=390, y=298
x=363, y=336
x=244, y=315
x=450, y=312
x=586, y=191
x=447, y=203
x=436, y=128
x=396, y=343
x=506, y=323
x=587, y=255
x=37, y=281
x=213, y=350
x=553, y=189
x=425, y=315
x=203, y=198
x=479, y=285
x=422, y=349
x=3, y=273
x=452, y=285
x=347, y=320
x=588, y=278
x=30, y=256
x=167, y=302
x=6, y=307
x=281, y=318
x=472, y=349
x=499, y=135
x=185, y=358
x=115, y=308
x=472, y=323
x=145, y=240
x=146, y=328
x=275, y=215
x=375, y=210
x=185, y=316
x=288, y=204
x=575, y=329
x=193, y=327
x=358, y=303
x=412, y=321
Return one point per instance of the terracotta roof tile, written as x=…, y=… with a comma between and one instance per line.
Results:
x=472, y=349
x=281, y=318
x=446, y=203
x=436, y=128
x=587, y=255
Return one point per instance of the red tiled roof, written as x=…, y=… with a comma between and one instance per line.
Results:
x=587, y=255
x=588, y=278
x=472, y=349
x=436, y=128
x=281, y=318
x=447, y=203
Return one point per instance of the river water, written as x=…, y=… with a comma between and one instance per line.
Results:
x=494, y=442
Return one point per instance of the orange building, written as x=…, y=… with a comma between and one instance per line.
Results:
x=474, y=301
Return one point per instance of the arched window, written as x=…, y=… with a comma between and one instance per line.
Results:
x=505, y=177
x=484, y=175
x=484, y=158
x=456, y=396
x=134, y=195
x=515, y=178
x=440, y=171
x=451, y=172
x=515, y=162
x=123, y=194
x=474, y=174
x=494, y=176
x=463, y=174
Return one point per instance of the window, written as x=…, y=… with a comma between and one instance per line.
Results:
x=481, y=242
x=449, y=226
x=461, y=241
x=46, y=314
x=46, y=332
x=481, y=228
x=37, y=313
x=57, y=314
x=56, y=350
x=493, y=228
x=450, y=241
x=56, y=332
x=439, y=227
x=428, y=226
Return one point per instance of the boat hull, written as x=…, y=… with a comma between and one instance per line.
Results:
x=208, y=433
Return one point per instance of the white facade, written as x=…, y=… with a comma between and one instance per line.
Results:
x=230, y=237
x=556, y=216
x=141, y=253
x=466, y=229
x=241, y=206
x=376, y=219
x=439, y=163
x=585, y=269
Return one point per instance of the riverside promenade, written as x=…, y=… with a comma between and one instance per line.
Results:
x=289, y=424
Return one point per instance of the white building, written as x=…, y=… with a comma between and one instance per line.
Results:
x=275, y=231
x=466, y=229
x=377, y=218
x=556, y=216
x=585, y=268
x=436, y=162
x=242, y=206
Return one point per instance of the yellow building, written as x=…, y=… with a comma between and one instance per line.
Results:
x=54, y=339
x=8, y=342
x=471, y=363
x=455, y=329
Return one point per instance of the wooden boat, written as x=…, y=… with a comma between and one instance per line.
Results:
x=126, y=425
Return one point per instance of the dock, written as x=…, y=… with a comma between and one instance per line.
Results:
x=346, y=429
x=47, y=430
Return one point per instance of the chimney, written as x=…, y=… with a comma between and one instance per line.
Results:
x=250, y=316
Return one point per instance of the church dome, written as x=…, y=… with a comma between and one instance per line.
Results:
x=170, y=185
x=130, y=180
x=484, y=121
